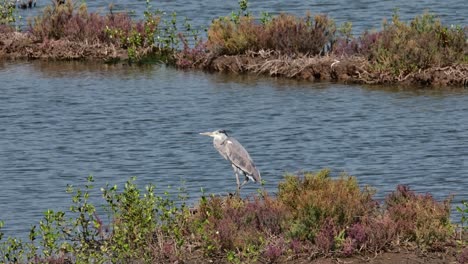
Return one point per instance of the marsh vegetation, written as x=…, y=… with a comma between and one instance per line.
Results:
x=312, y=215
x=421, y=51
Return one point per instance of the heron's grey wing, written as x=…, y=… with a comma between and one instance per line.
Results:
x=221, y=148
x=237, y=154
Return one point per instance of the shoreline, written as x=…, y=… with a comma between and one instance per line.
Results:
x=353, y=69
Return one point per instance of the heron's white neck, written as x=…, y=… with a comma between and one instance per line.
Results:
x=219, y=137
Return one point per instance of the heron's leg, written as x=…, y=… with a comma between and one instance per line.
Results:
x=245, y=181
x=237, y=178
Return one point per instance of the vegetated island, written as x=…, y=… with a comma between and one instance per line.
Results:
x=422, y=52
x=313, y=218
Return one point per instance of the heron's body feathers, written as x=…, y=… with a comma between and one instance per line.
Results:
x=234, y=152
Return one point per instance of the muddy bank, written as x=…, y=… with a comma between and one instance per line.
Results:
x=353, y=69
x=17, y=45
x=331, y=68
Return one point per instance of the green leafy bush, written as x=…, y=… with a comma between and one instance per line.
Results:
x=311, y=213
x=243, y=228
x=419, y=217
x=7, y=12
x=228, y=37
x=316, y=199
x=283, y=33
x=71, y=21
x=401, y=48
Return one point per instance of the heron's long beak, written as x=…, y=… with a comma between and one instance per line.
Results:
x=210, y=134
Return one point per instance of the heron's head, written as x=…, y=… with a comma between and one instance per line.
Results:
x=216, y=134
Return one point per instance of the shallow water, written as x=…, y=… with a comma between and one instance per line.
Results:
x=60, y=122
x=63, y=121
x=364, y=14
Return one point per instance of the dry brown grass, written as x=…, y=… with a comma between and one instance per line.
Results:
x=353, y=69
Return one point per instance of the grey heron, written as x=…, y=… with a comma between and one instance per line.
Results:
x=235, y=153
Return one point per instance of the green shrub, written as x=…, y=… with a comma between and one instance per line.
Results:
x=293, y=35
x=315, y=199
x=140, y=227
x=311, y=213
x=419, y=217
x=424, y=42
x=463, y=210
x=240, y=228
x=228, y=37
x=284, y=33
x=7, y=12
x=72, y=21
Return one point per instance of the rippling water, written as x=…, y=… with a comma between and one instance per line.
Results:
x=364, y=14
x=63, y=121
x=60, y=122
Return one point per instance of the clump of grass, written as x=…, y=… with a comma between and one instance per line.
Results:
x=419, y=217
x=360, y=46
x=142, y=39
x=191, y=57
x=401, y=48
x=229, y=37
x=6, y=29
x=316, y=199
x=463, y=257
x=373, y=234
x=284, y=33
x=241, y=228
x=293, y=35
x=73, y=22
x=274, y=250
x=463, y=225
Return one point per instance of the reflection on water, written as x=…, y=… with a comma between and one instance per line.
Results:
x=418, y=91
x=76, y=68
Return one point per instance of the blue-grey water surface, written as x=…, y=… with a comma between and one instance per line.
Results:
x=364, y=14
x=60, y=122
x=63, y=121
